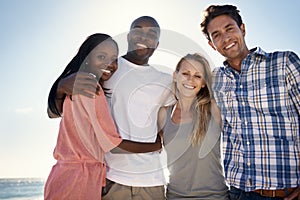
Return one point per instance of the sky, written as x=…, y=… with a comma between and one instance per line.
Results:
x=39, y=38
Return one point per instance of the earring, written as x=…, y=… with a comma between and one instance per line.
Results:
x=84, y=66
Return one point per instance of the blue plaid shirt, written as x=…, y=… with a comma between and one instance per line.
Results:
x=261, y=119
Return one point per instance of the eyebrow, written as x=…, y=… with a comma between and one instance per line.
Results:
x=151, y=28
x=228, y=25
x=136, y=26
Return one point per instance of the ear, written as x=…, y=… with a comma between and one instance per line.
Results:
x=86, y=60
x=157, y=45
x=243, y=29
x=211, y=44
x=127, y=37
x=174, y=76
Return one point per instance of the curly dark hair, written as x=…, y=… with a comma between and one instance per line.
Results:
x=216, y=10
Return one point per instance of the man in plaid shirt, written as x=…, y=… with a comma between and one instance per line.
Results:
x=259, y=97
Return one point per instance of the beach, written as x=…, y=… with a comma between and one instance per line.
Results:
x=21, y=188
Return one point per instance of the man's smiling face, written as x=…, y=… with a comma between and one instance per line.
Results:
x=227, y=37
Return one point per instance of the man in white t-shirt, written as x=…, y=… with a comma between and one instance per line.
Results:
x=136, y=91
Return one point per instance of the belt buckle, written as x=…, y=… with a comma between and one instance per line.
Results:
x=266, y=195
x=273, y=193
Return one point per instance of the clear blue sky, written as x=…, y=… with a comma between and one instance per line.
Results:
x=39, y=38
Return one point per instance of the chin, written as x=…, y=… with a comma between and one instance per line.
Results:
x=105, y=78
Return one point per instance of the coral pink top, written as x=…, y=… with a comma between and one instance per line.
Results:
x=86, y=132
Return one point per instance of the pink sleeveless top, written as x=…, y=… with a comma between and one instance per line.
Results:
x=86, y=132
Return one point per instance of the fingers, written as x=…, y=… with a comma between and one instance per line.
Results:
x=158, y=140
x=294, y=195
x=80, y=83
x=85, y=93
x=85, y=89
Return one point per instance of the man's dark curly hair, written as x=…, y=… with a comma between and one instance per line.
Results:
x=216, y=10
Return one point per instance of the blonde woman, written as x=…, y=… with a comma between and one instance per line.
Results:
x=191, y=134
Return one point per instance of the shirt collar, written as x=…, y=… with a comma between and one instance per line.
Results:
x=256, y=51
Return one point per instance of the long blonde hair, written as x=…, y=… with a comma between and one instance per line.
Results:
x=201, y=107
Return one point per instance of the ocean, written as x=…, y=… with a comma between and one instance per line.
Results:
x=21, y=189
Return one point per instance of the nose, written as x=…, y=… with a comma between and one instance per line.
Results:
x=190, y=78
x=142, y=37
x=112, y=64
x=225, y=37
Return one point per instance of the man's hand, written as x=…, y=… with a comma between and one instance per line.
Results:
x=294, y=195
x=76, y=83
x=159, y=140
x=79, y=83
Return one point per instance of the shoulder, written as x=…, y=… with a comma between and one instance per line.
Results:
x=163, y=75
x=276, y=55
x=162, y=71
x=283, y=61
x=218, y=70
x=163, y=111
x=218, y=73
x=84, y=101
x=168, y=78
x=160, y=76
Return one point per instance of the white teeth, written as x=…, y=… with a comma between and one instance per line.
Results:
x=141, y=45
x=229, y=46
x=188, y=86
x=105, y=71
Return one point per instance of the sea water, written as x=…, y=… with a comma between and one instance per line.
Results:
x=21, y=189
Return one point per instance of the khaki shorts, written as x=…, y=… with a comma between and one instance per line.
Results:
x=116, y=191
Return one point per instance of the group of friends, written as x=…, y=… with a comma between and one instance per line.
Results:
x=118, y=113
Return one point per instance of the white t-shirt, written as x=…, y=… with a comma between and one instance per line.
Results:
x=136, y=94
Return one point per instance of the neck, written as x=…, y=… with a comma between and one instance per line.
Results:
x=185, y=104
x=236, y=63
x=182, y=113
x=135, y=60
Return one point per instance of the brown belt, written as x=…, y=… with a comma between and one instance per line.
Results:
x=275, y=193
